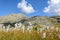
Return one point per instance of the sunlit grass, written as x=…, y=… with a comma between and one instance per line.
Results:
x=26, y=35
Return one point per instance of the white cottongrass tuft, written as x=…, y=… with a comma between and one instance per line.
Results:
x=3, y=28
x=30, y=23
x=23, y=28
x=57, y=29
x=52, y=27
x=40, y=29
x=44, y=35
x=47, y=27
x=16, y=25
x=29, y=29
x=20, y=24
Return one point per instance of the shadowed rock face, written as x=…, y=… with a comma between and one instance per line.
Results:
x=57, y=18
x=11, y=24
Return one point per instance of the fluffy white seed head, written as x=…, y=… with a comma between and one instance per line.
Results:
x=44, y=35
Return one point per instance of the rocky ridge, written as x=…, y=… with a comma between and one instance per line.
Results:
x=20, y=20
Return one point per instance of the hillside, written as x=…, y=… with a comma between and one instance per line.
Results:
x=36, y=20
x=20, y=27
x=39, y=20
x=12, y=18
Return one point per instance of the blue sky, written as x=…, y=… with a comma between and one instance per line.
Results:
x=10, y=7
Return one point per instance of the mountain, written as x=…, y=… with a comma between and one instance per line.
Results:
x=35, y=20
x=12, y=18
x=57, y=18
x=40, y=21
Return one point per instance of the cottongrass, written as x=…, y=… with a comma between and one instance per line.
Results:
x=52, y=33
x=57, y=29
x=33, y=35
x=44, y=35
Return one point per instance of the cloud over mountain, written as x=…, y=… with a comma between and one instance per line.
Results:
x=53, y=7
x=26, y=7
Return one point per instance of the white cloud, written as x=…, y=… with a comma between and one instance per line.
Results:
x=25, y=7
x=53, y=7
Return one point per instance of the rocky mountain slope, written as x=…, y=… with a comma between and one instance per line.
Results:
x=12, y=18
x=36, y=20
x=40, y=21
